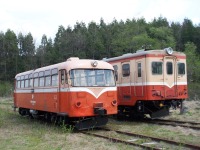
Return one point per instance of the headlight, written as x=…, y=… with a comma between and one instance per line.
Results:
x=94, y=63
x=169, y=50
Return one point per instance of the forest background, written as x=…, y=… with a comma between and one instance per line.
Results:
x=19, y=53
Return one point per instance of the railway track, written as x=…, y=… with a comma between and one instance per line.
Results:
x=186, y=124
x=142, y=141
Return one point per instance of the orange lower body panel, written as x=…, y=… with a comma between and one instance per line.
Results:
x=129, y=95
x=74, y=104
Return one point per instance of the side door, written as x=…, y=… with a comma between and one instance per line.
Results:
x=170, y=76
x=63, y=90
x=125, y=81
x=139, y=78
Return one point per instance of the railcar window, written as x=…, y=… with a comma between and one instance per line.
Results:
x=22, y=81
x=47, y=73
x=92, y=77
x=41, y=74
x=18, y=82
x=26, y=83
x=54, y=71
x=139, y=70
x=169, y=68
x=41, y=78
x=54, y=80
x=156, y=68
x=35, y=79
x=125, y=70
x=30, y=80
x=181, y=68
x=35, y=82
x=35, y=75
x=47, y=80
x=116, y=72
x=26, y=77
x=41, y=81
x=54, y=77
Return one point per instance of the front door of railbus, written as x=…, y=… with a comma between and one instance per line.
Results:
x=170, y=81
x=63, y=89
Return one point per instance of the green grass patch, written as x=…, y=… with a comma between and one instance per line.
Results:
x=17, y=132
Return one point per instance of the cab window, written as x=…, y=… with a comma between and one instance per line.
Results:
x=156, y=68
x=181, y=68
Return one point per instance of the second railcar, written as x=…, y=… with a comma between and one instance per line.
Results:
x=150, y=82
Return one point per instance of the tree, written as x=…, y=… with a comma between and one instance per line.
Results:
x=160, y=22
x=26, y=54
x=187, y=32
x=11, y=52
x=94, y=41
x=60, y=44
x=163, y=36
x=2, y=57
x=193, y=62
x=176, y=29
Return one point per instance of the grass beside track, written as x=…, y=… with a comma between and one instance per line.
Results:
x=17, y=132
x=22, y=133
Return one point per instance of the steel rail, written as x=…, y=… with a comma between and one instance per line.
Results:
x=155, y=138
x=172, y=123
x=177, y=121
x=121, y=141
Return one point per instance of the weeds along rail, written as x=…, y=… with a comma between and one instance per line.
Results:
x=189, y=122
x=114, y=140
x=157, y=143
x=186, y=124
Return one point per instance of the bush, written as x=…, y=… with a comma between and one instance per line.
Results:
x=193, y=90
x=6, y=89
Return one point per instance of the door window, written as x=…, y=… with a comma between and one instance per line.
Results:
x=139, y=70
x=125, y=70
x=169, y=68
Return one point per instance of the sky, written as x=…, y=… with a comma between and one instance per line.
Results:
x=41, y=17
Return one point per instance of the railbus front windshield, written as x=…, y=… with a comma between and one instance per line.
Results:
x=92, y=77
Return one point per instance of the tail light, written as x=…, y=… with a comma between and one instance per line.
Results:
x=78, y=104
x=114, y=102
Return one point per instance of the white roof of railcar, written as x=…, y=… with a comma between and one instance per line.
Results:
x=71, y=63
x=141, y=53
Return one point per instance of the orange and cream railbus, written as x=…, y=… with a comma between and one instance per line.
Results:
x=150, y=82
x=79, y=90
